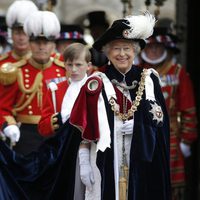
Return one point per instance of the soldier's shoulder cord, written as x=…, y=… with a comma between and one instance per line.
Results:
x=59, y=62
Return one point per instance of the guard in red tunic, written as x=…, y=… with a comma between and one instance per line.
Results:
x=22, y=96
x=15, y=17
x=178, y=92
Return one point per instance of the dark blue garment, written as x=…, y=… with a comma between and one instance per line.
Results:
x=149, y=174
x=30, y=139
x=45, y=174
x=49, y=173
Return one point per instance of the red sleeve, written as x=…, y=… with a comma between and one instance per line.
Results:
x=45, y=127
x=187, y=107
x=8, y=98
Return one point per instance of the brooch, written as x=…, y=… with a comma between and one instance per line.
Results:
x=157, y=112
x=93, y=85
x=126, y=33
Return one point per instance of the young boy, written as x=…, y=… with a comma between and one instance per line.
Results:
x=61, y=97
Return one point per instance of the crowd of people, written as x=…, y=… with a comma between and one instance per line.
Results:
x=114, y=121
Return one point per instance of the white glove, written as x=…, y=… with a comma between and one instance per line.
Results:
x=127, y=127
x=12, y=132
x=86, y=173
x=185, y=149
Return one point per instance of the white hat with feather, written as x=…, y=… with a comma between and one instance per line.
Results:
x=18, y=12
x=42, y=24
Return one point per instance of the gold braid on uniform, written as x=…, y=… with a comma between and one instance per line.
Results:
x=25, y=104
x=23, y=57
x=20, y=101
x=10, y=119
x=35, y=85
x=36, y=88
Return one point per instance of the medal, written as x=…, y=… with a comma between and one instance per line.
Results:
x=157, y=112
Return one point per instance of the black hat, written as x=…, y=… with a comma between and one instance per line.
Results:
x=135, y=28
x=164, y=36
x=97, y=18
x=72, y=32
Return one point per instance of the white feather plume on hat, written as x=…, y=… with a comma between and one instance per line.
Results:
x=18, y=12
x=42, y=23
x=141, y=26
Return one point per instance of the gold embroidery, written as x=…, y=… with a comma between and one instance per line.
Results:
x=10, y=119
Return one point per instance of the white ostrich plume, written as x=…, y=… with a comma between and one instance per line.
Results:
x=141, y=26
x=43, y=23
x=18, y=12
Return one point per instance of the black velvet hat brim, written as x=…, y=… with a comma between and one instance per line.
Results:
x=115, y=32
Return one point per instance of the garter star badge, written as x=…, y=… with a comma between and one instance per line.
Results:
x=157, y=112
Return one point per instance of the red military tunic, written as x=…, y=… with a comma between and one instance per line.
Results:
x=22, y=100
x=12, y=57
x=178, y=92
x=45, y=125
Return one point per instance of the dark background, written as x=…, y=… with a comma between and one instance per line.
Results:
x=193, y=67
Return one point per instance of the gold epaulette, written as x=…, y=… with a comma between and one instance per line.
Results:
x=59, y=62
x=3, y=56
x=8, y=72
x=57, y=56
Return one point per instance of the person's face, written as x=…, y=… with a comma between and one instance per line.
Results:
x=154, y=51
x=20, y=39
x=121, y=53
x=77, y=68
x=41, y=50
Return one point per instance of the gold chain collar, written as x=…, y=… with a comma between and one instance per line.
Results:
x=135, y=104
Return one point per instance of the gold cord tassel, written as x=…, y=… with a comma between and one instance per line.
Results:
x=123, y=183
x=122, y=188
x=40, y=95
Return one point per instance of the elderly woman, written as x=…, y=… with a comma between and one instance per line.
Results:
x=126, y=119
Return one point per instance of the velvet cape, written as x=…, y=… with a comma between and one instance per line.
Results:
x=49, y=173
x=149, y=175
x=46, y=174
